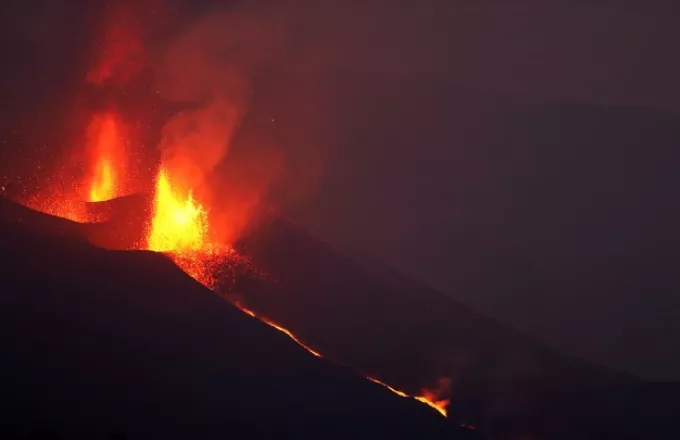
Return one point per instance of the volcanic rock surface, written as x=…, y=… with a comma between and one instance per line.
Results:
x=385, y=325
x=117, y=334
x=98, y=343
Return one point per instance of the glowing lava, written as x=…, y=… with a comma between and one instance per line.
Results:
x=106, y=148
x=430, y=400
x=283, y=330
x=102, y=187
x=427, y=398
x=394, y=390
x=437, y=397
x=179, y=227
x=179, y=224
x=60, y=206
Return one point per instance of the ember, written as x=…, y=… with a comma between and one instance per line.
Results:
x=197, y=140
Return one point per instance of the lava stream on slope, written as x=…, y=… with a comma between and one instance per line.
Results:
x=179, y=229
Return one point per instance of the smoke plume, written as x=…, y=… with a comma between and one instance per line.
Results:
x=210, y=68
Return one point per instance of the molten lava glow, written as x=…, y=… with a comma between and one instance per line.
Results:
x=289, y=334
x=431, y=400
x=179, y=227
x=394, y=390
x=179, y=224
x=103, y=187
x=437, y=397
x=106, y=148
x=64, y=207
x=427, y=398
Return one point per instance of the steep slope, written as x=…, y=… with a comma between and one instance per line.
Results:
x=558, y=219
x=376, y=321
x=417, y=339
x=95, y=342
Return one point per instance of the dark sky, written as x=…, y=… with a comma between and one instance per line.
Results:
x=604, y=52
x=518, y=155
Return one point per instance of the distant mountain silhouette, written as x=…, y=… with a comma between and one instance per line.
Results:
x=548, y=216
x=411, y=336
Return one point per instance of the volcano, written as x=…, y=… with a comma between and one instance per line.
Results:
x=100, y=341
x=143, y=295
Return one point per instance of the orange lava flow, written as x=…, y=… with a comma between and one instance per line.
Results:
x=427, y=398
x=285, y=331
x=291, y=336
x=394, y=390
x=106, y=147
x=179, y=223
x=439, y=405
x=179, y=227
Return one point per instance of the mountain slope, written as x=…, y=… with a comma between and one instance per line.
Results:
x=381, y=324
x=416, y=339
x=557, y=218
x=95, y=342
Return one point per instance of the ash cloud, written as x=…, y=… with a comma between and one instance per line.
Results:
x=211, y=66
x=217, y=65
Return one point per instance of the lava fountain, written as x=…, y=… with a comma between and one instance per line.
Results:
x=179, y=223
x=106, y=147
x=179, y=228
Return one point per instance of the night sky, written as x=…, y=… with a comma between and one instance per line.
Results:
x=521, y=157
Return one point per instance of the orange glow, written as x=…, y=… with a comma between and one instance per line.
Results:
x=394, y=390
x=107, y=150
x=428, y=398
x=179, y=223
x=64, y=207
x=439, y=405
x=179, y=227
x=287, y=333
x=103, y=187
x=437, y=397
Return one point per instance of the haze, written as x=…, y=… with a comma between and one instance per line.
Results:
x=520, y=157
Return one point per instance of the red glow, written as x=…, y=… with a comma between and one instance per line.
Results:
x=119, y=53
x=107, y=150
x=179, y=223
